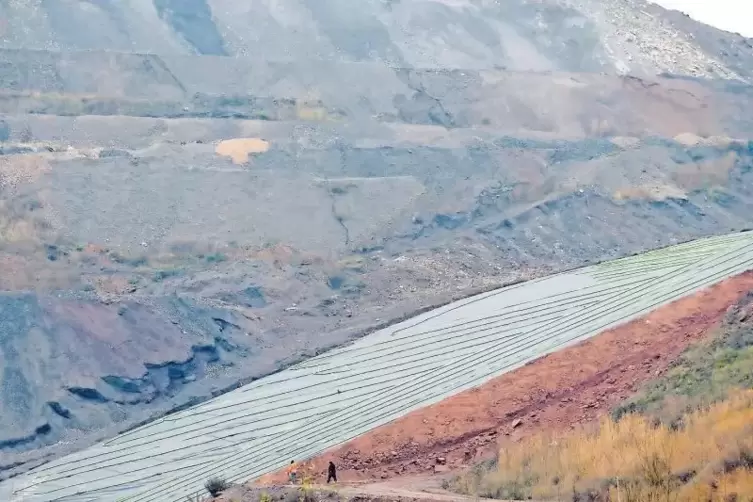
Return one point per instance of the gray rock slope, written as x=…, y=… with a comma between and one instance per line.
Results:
x=574, y=35
x=384, y=156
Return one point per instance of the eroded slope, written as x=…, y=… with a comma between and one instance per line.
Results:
x=578, y=35
x=570, y=388
x=347, y=392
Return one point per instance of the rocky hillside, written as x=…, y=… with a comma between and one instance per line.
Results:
x=195, y=194
x=520, y=35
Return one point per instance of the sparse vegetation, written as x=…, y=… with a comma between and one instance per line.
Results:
x=687, y=436
x=215, y=258
x=26, y=136
x=138, y=261
x=306, y=490
x=704, y=374
x=710, y=458
x=161, y=275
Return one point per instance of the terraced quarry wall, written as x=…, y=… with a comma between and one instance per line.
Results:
x=339, y=395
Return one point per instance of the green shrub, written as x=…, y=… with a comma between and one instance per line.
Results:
x=215, y=486
x=161, y=275
x=215, y=258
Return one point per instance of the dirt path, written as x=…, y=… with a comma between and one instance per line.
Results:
x=408, y=489
x=561, y=391
x=416, y=488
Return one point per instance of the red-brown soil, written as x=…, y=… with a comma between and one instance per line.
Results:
x=574, y=386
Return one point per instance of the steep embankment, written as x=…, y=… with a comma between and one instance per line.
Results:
x=349, y=391
x=684, y=436
x=573, y=387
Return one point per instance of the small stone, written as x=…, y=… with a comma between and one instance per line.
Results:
x=517, y=423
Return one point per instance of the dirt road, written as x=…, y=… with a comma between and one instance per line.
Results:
x=407, y=489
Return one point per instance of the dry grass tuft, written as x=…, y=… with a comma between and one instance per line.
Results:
x=635, y=459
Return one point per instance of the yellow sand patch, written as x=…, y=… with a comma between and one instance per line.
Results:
x=649, y=192
x=238, y=149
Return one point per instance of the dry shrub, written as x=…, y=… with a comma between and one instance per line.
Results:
x=633, y=459
x=736, y=486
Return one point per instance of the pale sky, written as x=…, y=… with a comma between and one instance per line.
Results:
x=731, y=15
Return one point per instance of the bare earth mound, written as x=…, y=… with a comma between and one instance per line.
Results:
x=559, y=391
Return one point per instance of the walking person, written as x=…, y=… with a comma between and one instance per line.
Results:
x=331, y=473
x=292, y=472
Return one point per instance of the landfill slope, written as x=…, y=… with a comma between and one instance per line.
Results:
x=336, y=396
x=197, y=194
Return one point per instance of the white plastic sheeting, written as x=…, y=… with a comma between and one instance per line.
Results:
x=337, y=396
